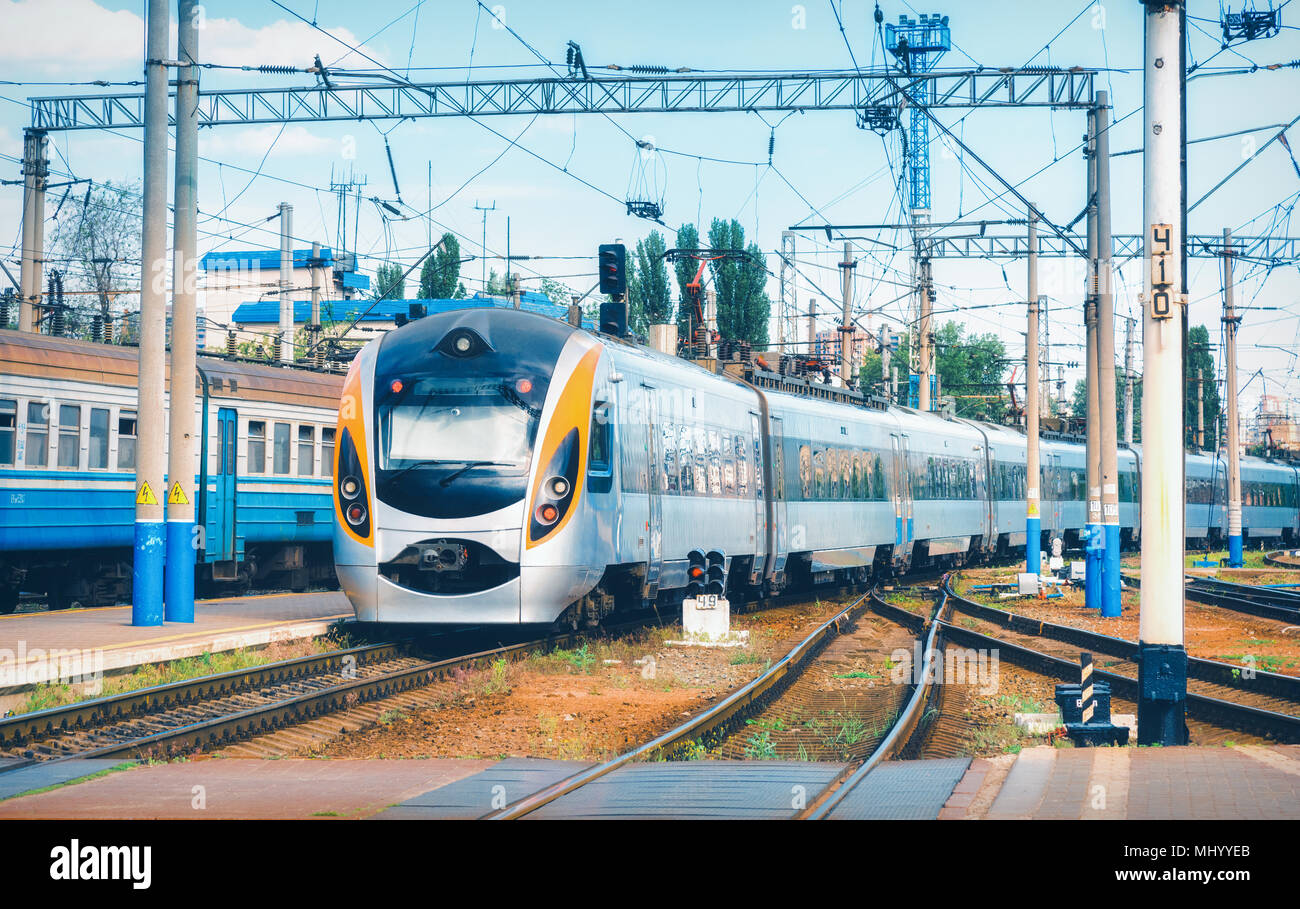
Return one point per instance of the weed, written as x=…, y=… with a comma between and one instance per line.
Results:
x=856, y=674
x=582, y=659
x=759, y=747
x=392, y=716
x=744, y=657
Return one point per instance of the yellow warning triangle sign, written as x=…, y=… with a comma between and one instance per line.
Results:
x=177, y=496
x=145, y=496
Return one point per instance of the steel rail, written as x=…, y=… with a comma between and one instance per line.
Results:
x=1281, y=726
x=710, y=723
x=1267, y=683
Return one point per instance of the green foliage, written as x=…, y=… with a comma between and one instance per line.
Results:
x=760, y=747
x=497, y=285
x=648, y=297
x=1200, y=357
x=557, y=291
x=740, y=285
x=440, y=274
x=582, y=659
x=971, y=366
x=388, y=281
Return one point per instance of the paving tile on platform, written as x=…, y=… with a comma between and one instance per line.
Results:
x=904, y=790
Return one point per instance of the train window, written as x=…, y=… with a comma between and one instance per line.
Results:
x=672, y=476
x=126, y=440
x=306, y=451
x=280, y=449
x=685, y=461
x=8, y=430
x=38, y=434
x=742, y=467
x=598, y=460
x=256, y=446
x=69, y=435
x=327, y=451
x=98, y=455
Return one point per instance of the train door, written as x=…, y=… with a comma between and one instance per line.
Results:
x=222, y=546
x=1054, y=488
x=762, y=547
x=654, y=511
x=776, y=489
x=907, y=495
x=902, y=498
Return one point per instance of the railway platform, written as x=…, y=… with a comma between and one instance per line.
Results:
x=42, y=647
x=1241, y=783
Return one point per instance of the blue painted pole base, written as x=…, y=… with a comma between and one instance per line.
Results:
x=1033, y=544
x=1234, y=551
x=1110, y=587
x=179, y=592
x=1162, y=694
x=1092, y=567
x=147, y=573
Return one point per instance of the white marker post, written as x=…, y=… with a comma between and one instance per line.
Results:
x=1162, y=659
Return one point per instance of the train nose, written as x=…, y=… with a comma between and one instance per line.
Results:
x=471, y=576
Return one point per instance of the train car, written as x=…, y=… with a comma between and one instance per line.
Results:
x=1268, y=501
x=68, y=423
x=497, y=466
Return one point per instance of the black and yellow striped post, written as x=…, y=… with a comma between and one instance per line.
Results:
x=1087, y=700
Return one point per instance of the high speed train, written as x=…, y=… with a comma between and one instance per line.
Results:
x=498, y=466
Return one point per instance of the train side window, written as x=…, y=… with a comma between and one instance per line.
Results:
x=38, y=434
x=306, y=450
x=126, y=440
x=280, y=449
x=327, y=451
x=98, y=454
x=256, y=446
x=8, y=431
x=598, y=460
x=69, y=435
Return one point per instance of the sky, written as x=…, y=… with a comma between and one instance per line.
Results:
x=566, y=197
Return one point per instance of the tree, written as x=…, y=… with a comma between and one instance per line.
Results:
x=389, y=284
x=971, y=369
x=497, y=286
x=97, y=246
x=1079, y=405
x=740, y=285
x=557, y=291
x=870, y=376
x=1199, y=357
x=688, y=238
x=648, y=296
x=440, y=274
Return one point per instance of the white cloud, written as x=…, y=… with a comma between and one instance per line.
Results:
x=254, y=140
x=81, y=39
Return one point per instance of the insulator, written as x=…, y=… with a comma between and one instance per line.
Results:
x=649, y=70
x=4, y=311
x=275, y=348
x=260, y=350
x=771, y=145
x=97, y=328
x=230, y=343
x=108, y=329
x=277, y=70
x=57, y=320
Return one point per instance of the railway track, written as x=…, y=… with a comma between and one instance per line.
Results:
x=1283, y=558
x=1221, y=697
x=1270, y=603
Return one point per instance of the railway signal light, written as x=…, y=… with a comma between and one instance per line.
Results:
x=612, y=262
x=717, y=573
x=697, y=568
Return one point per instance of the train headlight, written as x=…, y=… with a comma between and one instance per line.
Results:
x=352, y=501
x=558, y=487
x=356, y=514
x=350, y=487
x=547, y=514
x=554, y=495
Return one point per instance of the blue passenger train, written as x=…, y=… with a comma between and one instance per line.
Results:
x=67, y=457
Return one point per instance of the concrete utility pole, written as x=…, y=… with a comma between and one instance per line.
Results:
x=1092, y=545
x=150, y=450
x=1110, y=586
x=1200, y=410
x=1230, y=322
x=924, y=362
x=1162, y=659
x=286, y=282
x=1045, y=365
x=812, y=325
x=182, y=449
x=886, y=354
x=317, y=272
x=483, y=248
x=846, y=325
x=1033, y=517
x=35, y=176
x=1128, y=382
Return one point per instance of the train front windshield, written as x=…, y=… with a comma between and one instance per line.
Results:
x=456, y=446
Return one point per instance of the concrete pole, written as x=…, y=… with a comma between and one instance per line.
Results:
x=1128, y=382
x=1200, y=410
x=1162, y=659
x=317, y=282
x=1033, y=516
x=1110, y=583
x=1093, y=540
x=1230, y=322
x=150, y=451
x=812, y=325
x=182, y=449
x=286, y=282
x=1045, y=364
x=846, y=324
x=35, y=176
x=886, y=354
x=924, y=368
